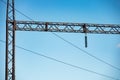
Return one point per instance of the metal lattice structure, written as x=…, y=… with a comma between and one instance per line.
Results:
x=67, y=27
x=13, y=25
x=10, y=41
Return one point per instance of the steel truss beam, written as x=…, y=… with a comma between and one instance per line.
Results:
x=67, y=27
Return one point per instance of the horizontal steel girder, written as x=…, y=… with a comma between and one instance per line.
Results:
x=67, y=27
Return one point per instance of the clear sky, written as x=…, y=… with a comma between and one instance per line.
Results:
x=32, y=67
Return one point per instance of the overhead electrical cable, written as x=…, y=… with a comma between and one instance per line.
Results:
x=91, y=55
x=65, y=63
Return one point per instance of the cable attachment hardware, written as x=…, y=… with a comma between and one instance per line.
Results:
x=46, y=26
x=85, y=31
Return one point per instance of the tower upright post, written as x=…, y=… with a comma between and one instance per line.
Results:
x=10, y=41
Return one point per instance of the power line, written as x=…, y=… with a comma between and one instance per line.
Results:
x=86, y=52
x=65, y=63
x=19, y=12
x=72, y=43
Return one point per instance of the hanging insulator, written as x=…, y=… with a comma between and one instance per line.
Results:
x=85, y=31
x=86, y=45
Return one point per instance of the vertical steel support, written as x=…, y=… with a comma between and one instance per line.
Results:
x=10, y=41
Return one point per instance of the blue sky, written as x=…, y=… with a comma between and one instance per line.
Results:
x=33, y=67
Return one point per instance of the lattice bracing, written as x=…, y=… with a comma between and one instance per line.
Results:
x=67, y=27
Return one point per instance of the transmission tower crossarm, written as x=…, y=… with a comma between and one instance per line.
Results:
x=67, y=27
